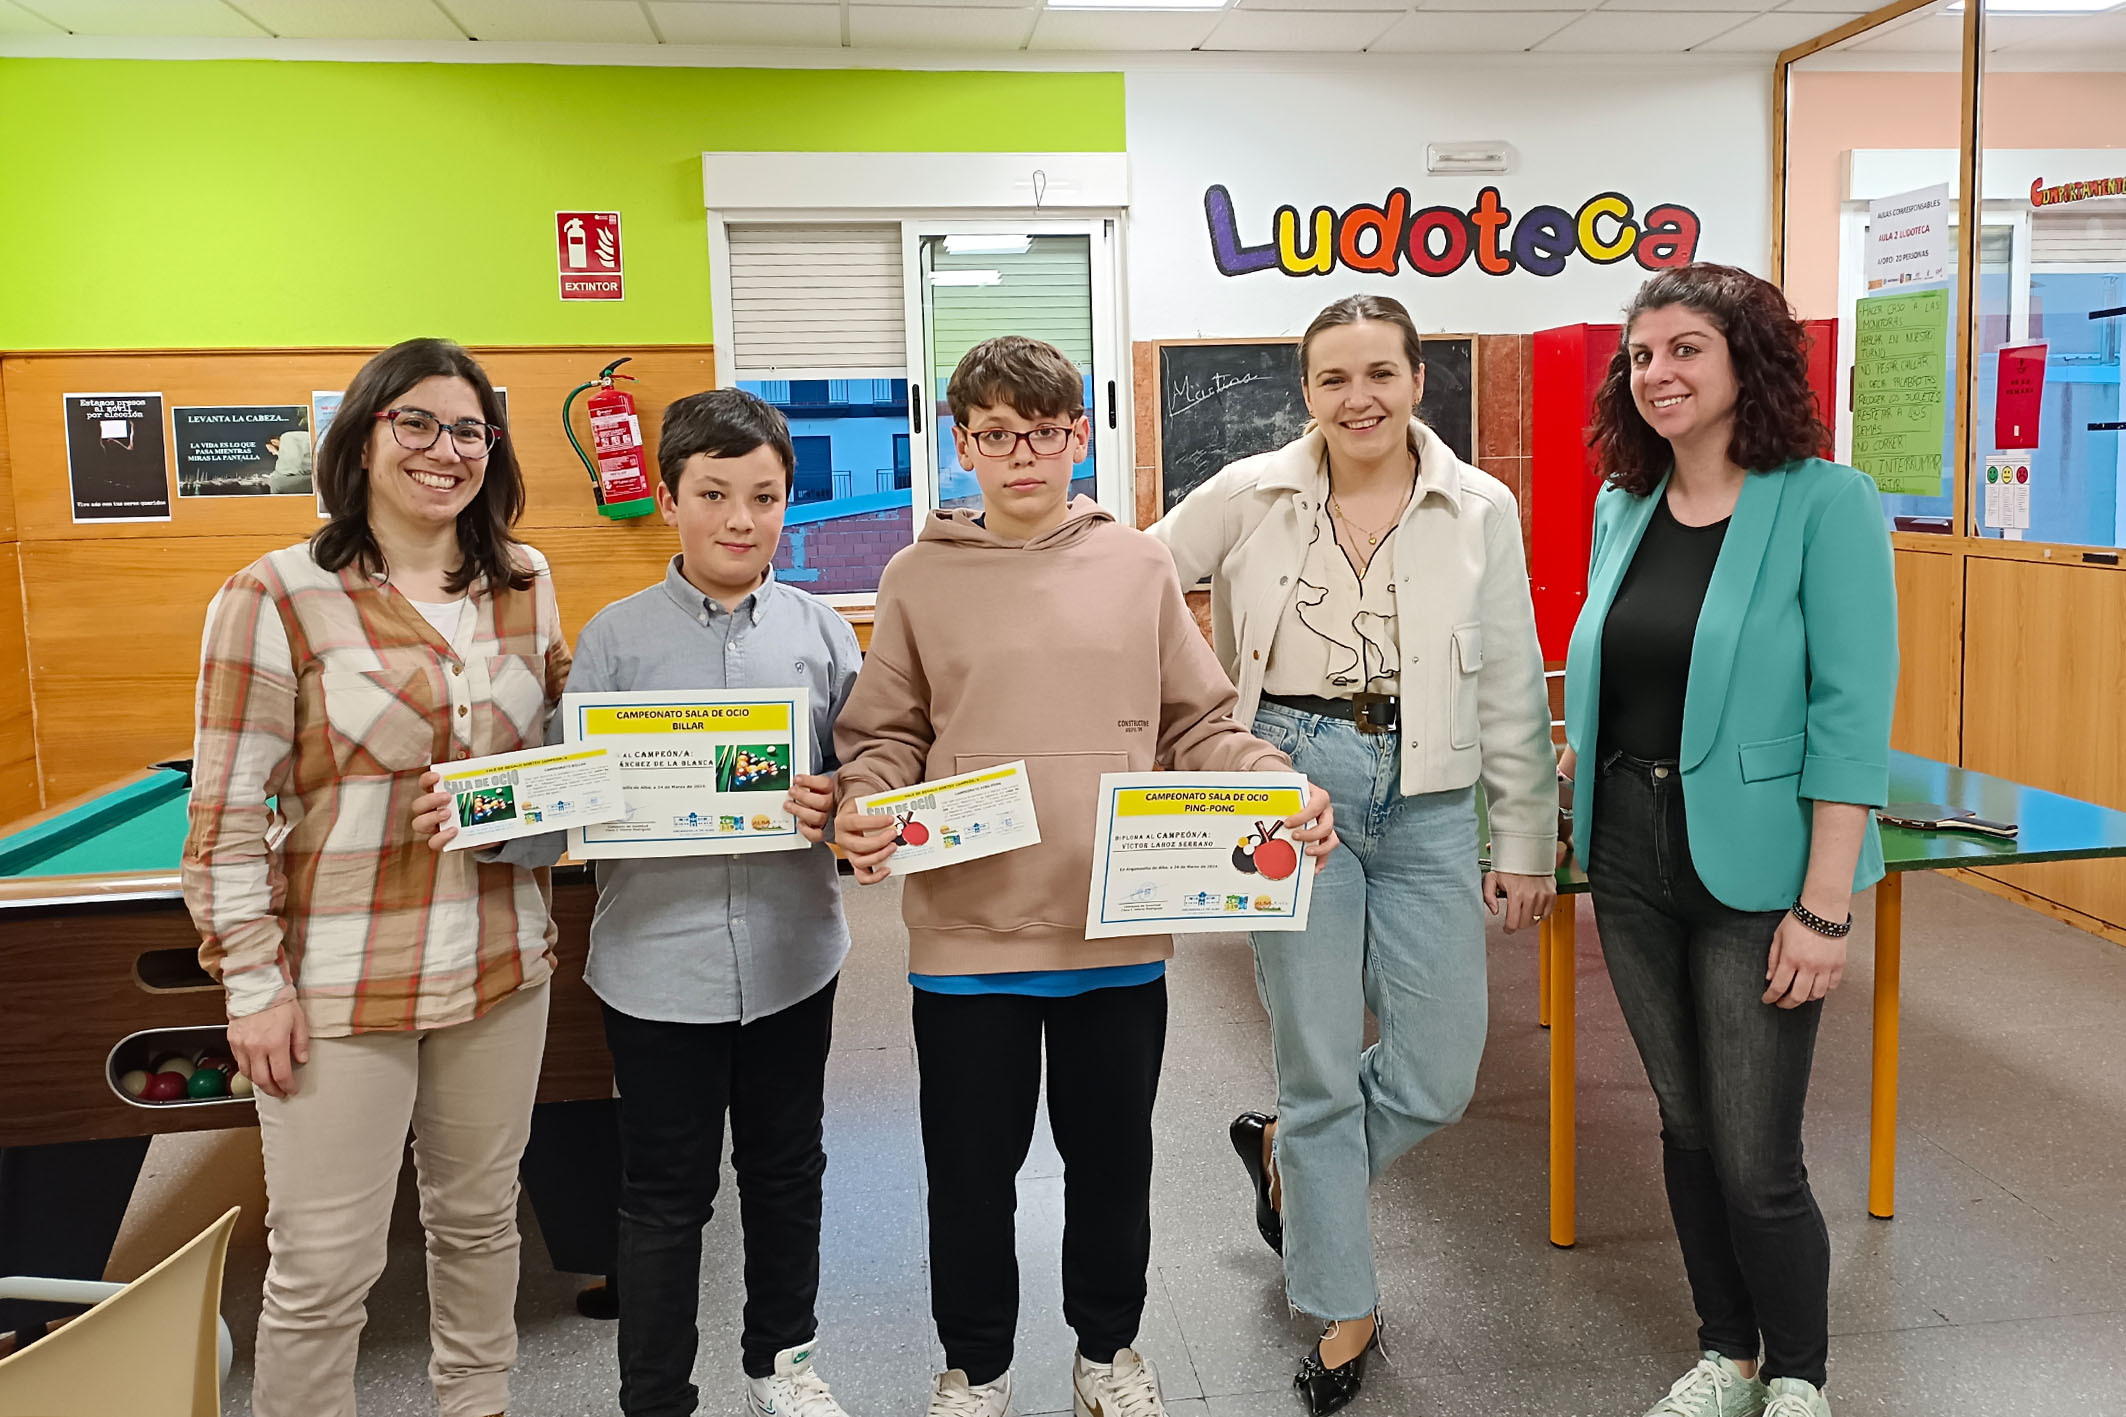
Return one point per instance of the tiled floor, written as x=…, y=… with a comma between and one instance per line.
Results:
x=1999, y=1291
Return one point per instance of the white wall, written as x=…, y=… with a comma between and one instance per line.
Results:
x=1696, y=136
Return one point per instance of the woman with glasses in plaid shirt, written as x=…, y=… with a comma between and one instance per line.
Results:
x=375, y=985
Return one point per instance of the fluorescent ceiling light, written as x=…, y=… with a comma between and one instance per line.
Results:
x=1138, y=4
x=2043, y=7
x=988, y=245
x=966, y=277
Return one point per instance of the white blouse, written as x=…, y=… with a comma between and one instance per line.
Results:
x=1337, y=636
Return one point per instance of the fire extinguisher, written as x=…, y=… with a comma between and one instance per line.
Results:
x=617, y=477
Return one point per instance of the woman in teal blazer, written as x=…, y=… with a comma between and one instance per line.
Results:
x=1728, y=699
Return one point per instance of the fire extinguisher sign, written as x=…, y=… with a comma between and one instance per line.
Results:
x=588, y=246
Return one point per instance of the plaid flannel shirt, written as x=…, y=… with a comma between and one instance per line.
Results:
x=327, y=695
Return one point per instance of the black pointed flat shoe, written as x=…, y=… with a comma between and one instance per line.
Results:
x=1328, y=1389
x=1247, y=1132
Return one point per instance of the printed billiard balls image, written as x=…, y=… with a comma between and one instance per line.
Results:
x=753, y=767
x=163, y=1087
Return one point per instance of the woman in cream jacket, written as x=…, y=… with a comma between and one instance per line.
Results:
x=1369, y=596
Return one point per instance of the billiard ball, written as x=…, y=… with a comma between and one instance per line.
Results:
x=163, y=1087
x=239, y=1086
x=179, y=1064
x=217, y=1062
x=206, y=1083
x=132, y=1084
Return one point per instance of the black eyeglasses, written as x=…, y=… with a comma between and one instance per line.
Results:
x=418, y=430
x=1046, y=441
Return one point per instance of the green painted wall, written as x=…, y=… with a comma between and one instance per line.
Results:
x=148, y=204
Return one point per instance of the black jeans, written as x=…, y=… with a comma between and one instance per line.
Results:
x=675, y=1081
x=1731, y=1074
x=980, y=1060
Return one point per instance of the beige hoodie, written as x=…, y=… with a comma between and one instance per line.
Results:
x=1074, y=651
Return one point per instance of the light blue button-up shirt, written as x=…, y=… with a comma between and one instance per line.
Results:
x=714, y=939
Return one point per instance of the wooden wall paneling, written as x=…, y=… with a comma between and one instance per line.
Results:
x=537, y=379
x=1930, y=621
x=114, y=628
x=20, y=792
x=2044, y=676
x=7, y=474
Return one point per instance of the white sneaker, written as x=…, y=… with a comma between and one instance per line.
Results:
x=1127, y=1387
x=792, y=1390
x=1794, y=1397
x=955, y=1397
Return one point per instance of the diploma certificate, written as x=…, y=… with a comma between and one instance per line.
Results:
x=534, y=790
x=955, y=819
x=701, y=774
x=1188, y=853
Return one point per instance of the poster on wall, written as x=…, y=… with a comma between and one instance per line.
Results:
x=324, y=407
x=1908, y=238
x=2018, y=395
x=117, y=460
x=1901, y=390
x=587, y=245
x=2008, y=491
x=245, y=450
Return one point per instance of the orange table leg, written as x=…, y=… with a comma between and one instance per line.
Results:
x=1542, y=954
x=1882, y=1140
x=1563, y=1070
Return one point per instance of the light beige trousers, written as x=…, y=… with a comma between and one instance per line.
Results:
x=333, y=1152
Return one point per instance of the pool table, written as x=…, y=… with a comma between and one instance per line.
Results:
x=96, y=947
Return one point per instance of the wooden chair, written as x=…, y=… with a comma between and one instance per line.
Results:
x=154, y=1348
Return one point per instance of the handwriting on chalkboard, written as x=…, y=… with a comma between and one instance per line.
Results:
x=1190, y=391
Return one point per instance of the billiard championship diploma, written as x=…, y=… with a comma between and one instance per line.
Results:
x=534, y=790
x=955, y=819
x=702, y=773
x=1194, y=852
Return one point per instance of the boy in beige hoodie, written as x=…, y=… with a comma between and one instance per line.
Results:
x=1039, y=629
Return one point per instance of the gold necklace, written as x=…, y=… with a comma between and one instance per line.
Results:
x=1372, y=537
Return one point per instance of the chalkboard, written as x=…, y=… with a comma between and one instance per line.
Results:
x=1225, y=400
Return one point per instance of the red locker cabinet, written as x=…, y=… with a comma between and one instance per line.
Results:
x=1568, y=368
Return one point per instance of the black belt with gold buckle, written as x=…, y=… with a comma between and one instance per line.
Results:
x=1367, y=712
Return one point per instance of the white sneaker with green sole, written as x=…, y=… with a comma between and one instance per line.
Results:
x=1792, y=1397
x=1715, y=1388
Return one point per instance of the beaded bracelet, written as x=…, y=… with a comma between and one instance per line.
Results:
x=1820, y=925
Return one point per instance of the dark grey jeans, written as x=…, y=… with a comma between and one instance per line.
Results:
x=1731, y=1074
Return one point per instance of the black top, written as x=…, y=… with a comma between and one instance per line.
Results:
x=1646, y=640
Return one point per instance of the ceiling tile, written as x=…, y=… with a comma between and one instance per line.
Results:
x=16, y=20
x=1753, y=7
x=1821, y=7
x=800, y=26
x=901, y=27
x=1457, y=32
x=2051, y=33
x=1768, y=34
x=1121, y=29
x=1322, y=31
x=206, y=18
x=1618, y=32
x=1026, y=6
x=554, y=21
x=1312, y=6
x=1929, y=34
x=352, y=19
x=1494, y=7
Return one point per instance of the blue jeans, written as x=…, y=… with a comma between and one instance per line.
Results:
x=1397, y=928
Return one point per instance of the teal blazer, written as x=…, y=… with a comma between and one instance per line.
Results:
x=1793, y=676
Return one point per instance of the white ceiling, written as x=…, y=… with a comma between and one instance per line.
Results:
x=1724, y=28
